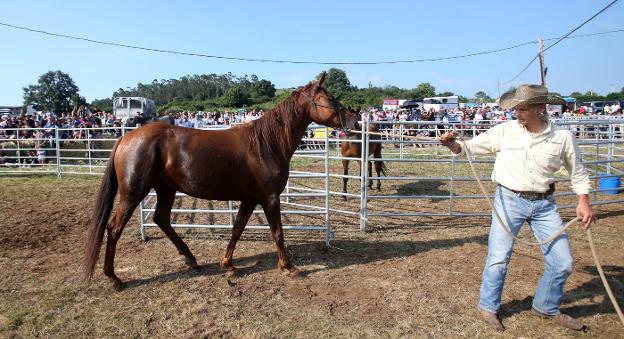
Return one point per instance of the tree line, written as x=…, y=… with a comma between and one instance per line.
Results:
x=56, y=90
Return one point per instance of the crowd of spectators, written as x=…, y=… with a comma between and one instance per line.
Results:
x=461, y=118
x=207, y=119
x=37, y=131
x=82, y=122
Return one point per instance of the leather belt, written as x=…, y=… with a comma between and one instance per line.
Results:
x=532, y=196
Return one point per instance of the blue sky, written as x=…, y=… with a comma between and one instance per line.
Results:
x=317, y=31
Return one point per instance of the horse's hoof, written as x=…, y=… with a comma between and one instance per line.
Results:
x=344, y=198
x=230, y=273
x=293, y=272
x=118, y=285
x=191, y=262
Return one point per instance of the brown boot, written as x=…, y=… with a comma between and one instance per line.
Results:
x=492, y=320
x=562, y=319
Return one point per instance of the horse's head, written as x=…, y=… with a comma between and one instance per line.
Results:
x=324, y=109
x=357, y=112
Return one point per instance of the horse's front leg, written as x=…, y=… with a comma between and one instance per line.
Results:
x=242, y=217
x=272, y=211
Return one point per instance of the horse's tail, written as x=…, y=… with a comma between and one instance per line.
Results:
x=101, y=213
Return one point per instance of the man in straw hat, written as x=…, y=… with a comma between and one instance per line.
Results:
x=529, y=151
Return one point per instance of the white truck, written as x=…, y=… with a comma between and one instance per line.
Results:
x=440, y=103
x=127, y=107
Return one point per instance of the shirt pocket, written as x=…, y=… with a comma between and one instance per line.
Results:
x=548, y=156
x=512, y=150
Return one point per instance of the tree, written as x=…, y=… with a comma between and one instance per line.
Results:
x=235, y=96
x=54, y=90
x=102, y=104
x=337, y=83
x=263, y=89
x=482, y=97
x=424, y=90
x=446, y=94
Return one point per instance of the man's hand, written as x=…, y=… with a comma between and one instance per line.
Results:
x=447, y=139
x=584, y=211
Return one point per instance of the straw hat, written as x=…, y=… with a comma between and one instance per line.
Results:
x=529, y=94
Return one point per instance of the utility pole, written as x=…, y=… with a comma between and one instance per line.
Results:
x=541, y=59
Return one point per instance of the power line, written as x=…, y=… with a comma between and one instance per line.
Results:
x=581, y=25
x=561, y=39
x=285, y=61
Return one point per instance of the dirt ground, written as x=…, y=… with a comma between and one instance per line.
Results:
x=418, y=280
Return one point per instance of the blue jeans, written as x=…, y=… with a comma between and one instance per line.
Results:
x=544, y=220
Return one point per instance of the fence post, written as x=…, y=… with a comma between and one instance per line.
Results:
x=89, y=149
x=400, y=141
x=452, y=184
x=597, y=157
x=17, y=141
x=328, y=232
x=610, y=145
x=364, y=174
x=58, y=151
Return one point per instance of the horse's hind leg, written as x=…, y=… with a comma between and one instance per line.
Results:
x=272, y=211
x=242, y=217
x=345, y=171
x=124, y=211
x=162, y=217
x=370, y=172
x=378, y=166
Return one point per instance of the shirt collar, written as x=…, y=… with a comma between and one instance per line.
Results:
x=549, y=128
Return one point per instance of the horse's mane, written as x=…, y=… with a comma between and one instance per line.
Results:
x=276, y=130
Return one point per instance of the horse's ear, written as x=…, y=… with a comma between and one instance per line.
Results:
x=322, y=78
x=358, y=109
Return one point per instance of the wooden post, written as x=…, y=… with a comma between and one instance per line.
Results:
x=541, y=59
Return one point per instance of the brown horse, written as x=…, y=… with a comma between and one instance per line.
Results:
x=249, y=163
x=352, y=149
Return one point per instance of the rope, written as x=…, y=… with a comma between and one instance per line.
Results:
x=508, y=230
x=395, y=135
x=589, y=237
x=603, y=278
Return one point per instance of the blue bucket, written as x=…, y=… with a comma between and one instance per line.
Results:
x=610, y=184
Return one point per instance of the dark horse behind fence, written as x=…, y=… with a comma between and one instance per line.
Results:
x=353, y=149
x=249, y=163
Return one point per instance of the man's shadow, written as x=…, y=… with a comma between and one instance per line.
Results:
x=588, y=290
x=425, y=187
x=344, y=253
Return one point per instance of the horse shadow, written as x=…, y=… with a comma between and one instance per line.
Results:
x=588, y=290
x=342, y=253
x=428, y=187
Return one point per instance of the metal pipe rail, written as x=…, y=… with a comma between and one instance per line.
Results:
x=601, y=142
